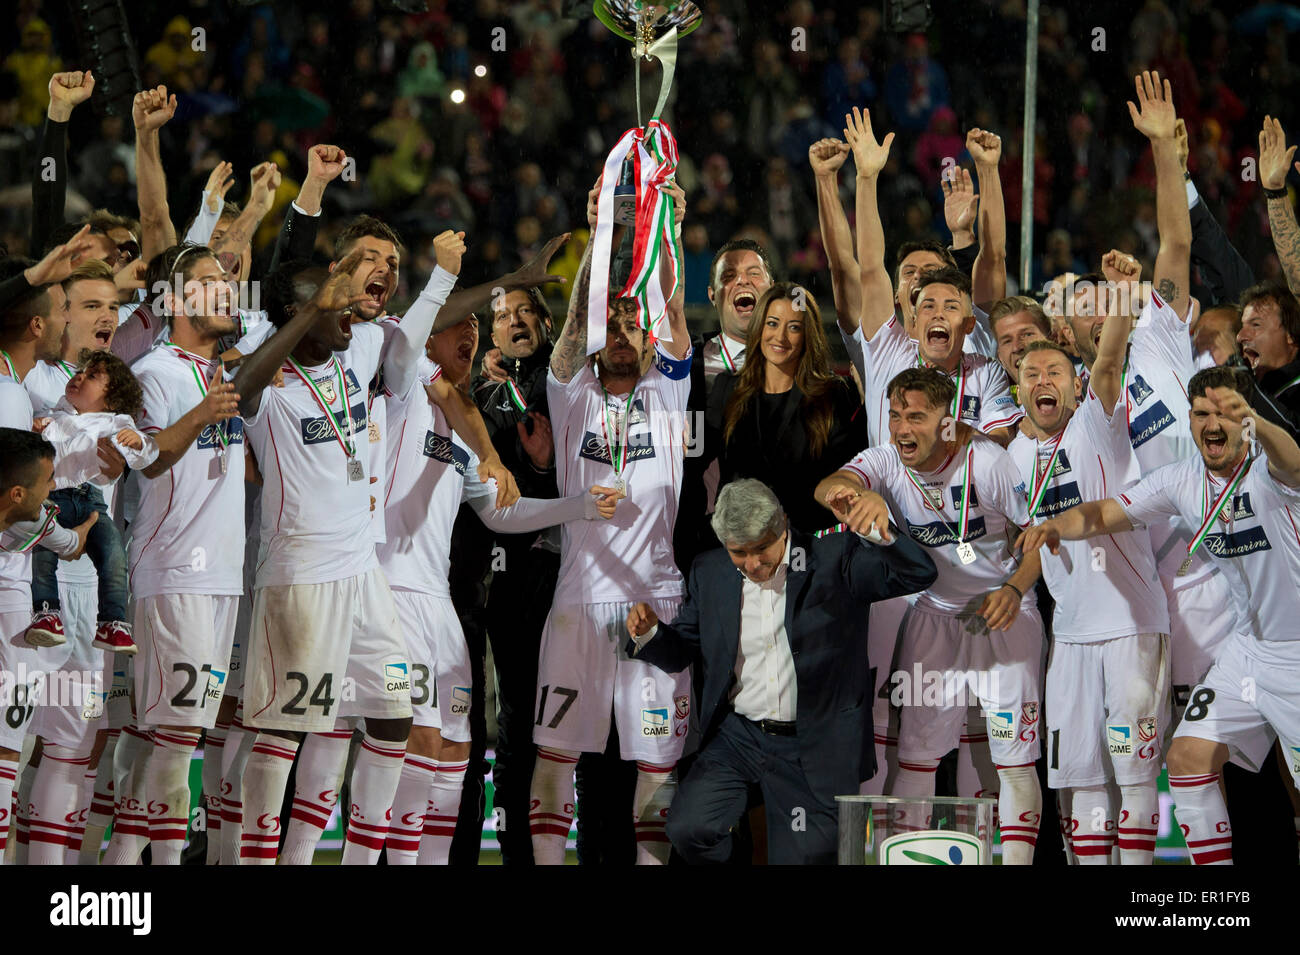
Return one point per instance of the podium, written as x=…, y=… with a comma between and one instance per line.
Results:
x=912, y=830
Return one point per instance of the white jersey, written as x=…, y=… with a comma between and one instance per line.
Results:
x=932, y=517
x=1105, y=587
x=46, y=384
x=427, y=467
x=983, y=389
x=1255, y=539
x=188, y=532
x=631, y=556
x=315, y=517
x=1155, y=394
x=15, y=569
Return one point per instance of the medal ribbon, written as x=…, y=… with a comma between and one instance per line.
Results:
x=51, y=512
x=9, y=365
x=1208, y=515
x=346, y=444
x=193, y=364
x=728, y=362
x=516, y=396
x=1039, y=485
x=964, y=518
x=617, y=454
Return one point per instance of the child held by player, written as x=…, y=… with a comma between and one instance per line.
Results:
x=100, y=401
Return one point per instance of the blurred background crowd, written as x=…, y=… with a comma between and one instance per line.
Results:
x=494, y=117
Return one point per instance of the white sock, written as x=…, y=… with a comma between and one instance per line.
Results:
x=214, y=745
x=915, y=778
x=1021, y=803
x=655, y=788
x=8, y=803
x=552, y=798
x=412, y=805
x=976, y=774
x=374, y=784
x=321, y=761
x=76, y=838
x=239, y=744
x=1064, y=802
x=55, y=796
x=265, y=777
x=26, y=779
x=1094, y=825
x=167, y=793
x=101, y=804
x=444, y=809
x=130, y=819
x=1203, y=818
x=1139, y=823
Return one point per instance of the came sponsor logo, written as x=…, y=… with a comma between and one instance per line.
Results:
x=216, y=684
x=1120, y=739
x=460, y=699
x=655, y=722
x=396, y=678
x=1002, y=725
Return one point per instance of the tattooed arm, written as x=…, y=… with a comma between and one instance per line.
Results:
x=571, y=350
x=1274, y=161
x=1155, y=118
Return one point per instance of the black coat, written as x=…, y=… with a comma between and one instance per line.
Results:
x=773, y=447
x=831, y=583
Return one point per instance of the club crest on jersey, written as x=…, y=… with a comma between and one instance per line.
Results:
x=1147, y=728
x=396, y=678
x=1120, y=739
x=1029, y=714
x=654, y=722
x=682, y=706
x=442, y=448
x=318, y=430
x=1002, y=726
x=210, y=436
x=460, y=699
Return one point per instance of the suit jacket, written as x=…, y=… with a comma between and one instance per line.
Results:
x=828, y=593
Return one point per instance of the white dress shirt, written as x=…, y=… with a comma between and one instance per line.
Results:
x=713, y=358
x=765, y=687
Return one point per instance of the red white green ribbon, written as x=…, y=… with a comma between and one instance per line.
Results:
x=516, y=396
x=51, y=512
x=193, y=364
x=1044, y=477
x=616, y=443
x=9, y=365
x=1208, y=513
x=964, y=518
x=654, y=156
x=349, y=448
x=728, y=362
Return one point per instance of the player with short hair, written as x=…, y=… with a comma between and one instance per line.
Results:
x=617, y=421
x=948, y=485
x=1107, y=673
x=1241, y=499
x=1016, y=321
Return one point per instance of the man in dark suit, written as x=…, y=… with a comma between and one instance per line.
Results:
x=777, y=621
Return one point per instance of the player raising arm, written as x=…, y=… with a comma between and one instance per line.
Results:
x=1242, y=504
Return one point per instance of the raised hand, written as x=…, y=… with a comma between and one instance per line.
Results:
x=1274, y=157
x=1154, y=115
x=869, y=154
x=961, y=202
x=219, y=182
x=606, y=500
x=533, y=272
x=60, y=260
x=220, y=402
x=827, y=155
x=540, y=445
x=1120, y=267
x=679, y=201
x=448, y=249
x=151, y=109
x=984, y=147
x=325, y=162
x=1230, y=404
x=640, y=619
x=860, y=510
x=342, y=289
x=67, y=91
x=1184, y=144
x=593, y=203
x=264, y=181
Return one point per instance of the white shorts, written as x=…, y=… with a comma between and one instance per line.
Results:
x=967, y=671
x=1246, y=701
x=235, y=679
x=583, y=674
x=76, y=685
x=441, y=681
x=1107, y=703
x=1200, y=620
x=885, y=625
x=184, y=658
x=20, y=680
x=322, y=651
